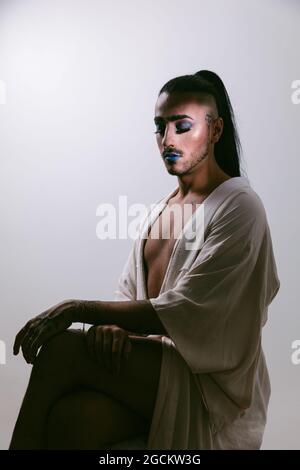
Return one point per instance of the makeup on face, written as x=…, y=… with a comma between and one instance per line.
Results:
x=181, y=127
x=172, y=157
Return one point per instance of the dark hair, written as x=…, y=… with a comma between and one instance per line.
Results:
x=228, y=148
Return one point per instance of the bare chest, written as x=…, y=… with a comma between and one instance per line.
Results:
x=159, y=247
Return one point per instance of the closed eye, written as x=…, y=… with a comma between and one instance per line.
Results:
x=181, y=128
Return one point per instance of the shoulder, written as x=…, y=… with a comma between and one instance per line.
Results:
x=242, y=213
x=250, y=204
x=245, y=203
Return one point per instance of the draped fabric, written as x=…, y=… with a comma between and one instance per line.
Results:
x=214, y=386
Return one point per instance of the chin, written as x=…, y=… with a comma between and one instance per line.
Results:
x=173, y=171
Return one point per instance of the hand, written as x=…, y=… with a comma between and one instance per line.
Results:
x=41, y=328
x=109, y=345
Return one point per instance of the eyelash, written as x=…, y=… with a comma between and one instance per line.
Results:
x=179, y=131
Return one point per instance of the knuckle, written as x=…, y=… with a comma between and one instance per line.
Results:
x=107, y=329
x=31, y=328
x=97, y=329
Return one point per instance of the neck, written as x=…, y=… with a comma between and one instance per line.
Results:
x=201, y=183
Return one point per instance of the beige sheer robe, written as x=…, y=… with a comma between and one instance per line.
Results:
x=214, y=386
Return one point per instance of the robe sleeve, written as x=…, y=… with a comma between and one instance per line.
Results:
x=215, y=312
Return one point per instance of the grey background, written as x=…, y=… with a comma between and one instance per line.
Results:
x=82, y=80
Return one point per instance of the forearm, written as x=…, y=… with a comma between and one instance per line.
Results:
x=137, y=316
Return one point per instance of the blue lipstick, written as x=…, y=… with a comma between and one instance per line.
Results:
x=172, y=157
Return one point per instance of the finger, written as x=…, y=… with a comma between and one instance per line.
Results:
x=35, y=341
x=88, y=341
x=99, y=346
x=117, y=351
x=36, y=336
x=90, y=338
x=128, y=348
x=27, y=341
x=106, y=348
x=30, y=351
x=34, y=353
x=23, y=333
x=26, y=349
x=19, y=339
x=39, y=339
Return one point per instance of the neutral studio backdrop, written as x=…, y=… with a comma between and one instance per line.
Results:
x=78, y=85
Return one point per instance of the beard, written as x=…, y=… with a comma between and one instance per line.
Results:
x=187, y=166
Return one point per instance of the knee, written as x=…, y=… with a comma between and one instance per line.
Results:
x=63, y=343
x=59, y=351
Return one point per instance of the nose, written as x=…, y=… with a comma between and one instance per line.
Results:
x=167, y=138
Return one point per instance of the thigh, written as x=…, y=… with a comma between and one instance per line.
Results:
x=86, y=419
x=136, y=384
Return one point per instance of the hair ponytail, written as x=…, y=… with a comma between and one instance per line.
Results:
x=228, y=148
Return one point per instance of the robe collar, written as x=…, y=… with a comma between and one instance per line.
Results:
x=182, y=258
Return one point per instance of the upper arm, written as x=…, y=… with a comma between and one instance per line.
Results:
x=127, y=281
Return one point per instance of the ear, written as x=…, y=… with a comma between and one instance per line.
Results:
x=218, y=126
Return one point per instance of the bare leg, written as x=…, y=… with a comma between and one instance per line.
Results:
x=91, y=420
x=63, y=366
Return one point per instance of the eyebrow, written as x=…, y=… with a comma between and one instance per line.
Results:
x=174, y=117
